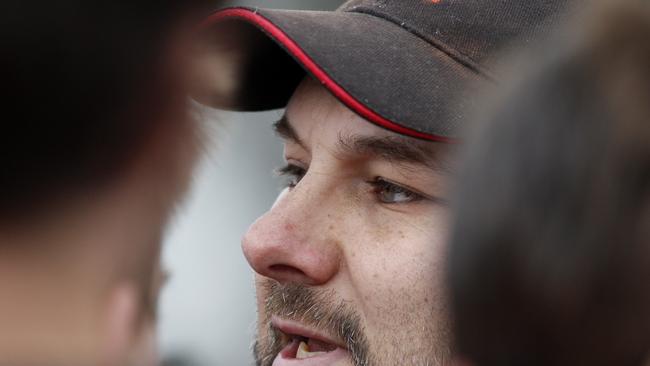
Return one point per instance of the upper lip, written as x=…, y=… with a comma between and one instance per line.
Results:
x=294, y=328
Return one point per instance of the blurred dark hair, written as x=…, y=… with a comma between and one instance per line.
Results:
x=550, y=256
x=84, y=86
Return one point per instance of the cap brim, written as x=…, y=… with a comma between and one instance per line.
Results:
x=378, y=69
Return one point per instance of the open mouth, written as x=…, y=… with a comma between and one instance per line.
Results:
x=306, y=347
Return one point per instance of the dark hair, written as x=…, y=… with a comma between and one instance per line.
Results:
x=83, y=86
x=549, y=262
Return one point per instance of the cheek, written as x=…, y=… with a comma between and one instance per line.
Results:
x=399, y=270
x=402, y=276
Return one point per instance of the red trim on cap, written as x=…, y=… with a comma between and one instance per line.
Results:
x=311, y=66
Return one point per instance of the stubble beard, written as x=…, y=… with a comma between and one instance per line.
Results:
x=309, y=307
x=322, y=311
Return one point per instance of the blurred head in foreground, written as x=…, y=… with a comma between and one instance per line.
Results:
x=550, y=257
x=96, y=147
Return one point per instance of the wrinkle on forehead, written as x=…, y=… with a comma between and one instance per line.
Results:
x=312, y=102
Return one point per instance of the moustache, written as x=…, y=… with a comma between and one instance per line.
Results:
x=318, y=309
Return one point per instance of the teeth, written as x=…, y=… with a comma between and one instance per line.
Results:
x=303, y=352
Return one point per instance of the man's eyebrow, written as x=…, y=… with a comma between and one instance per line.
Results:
x=398, y=149
x=285, y=130
x=395, y=149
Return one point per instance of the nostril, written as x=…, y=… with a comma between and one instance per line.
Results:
x=286, y=270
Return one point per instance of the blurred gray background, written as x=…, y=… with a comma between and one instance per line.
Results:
x=207, y=310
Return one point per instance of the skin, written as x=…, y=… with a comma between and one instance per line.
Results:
x=376, y=249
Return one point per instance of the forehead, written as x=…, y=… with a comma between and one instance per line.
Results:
x=314, y=118
x=312, y=110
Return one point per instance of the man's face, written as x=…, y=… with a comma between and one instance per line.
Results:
x=349, y=258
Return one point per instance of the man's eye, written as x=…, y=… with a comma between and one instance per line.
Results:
x=392, y=193
x=293, y=173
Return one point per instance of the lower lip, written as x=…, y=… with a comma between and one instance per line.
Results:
x=287, y=357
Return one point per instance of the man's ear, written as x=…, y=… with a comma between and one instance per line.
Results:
x=120, y=323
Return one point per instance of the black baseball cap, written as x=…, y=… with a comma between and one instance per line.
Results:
x=411, y=66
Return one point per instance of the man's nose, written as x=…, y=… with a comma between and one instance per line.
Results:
x=293, y=242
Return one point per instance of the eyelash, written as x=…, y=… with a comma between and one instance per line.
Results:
x=381, y=185
x=295, y=173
